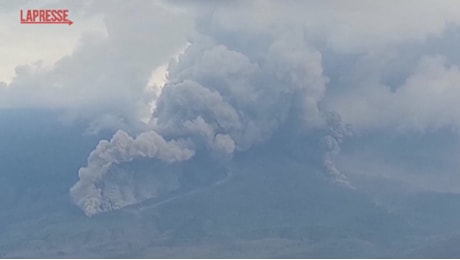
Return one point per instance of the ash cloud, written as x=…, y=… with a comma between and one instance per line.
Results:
x=257, y=72
x=89, y=193
x=220, y=100
x=248, y=75
x=336, y=131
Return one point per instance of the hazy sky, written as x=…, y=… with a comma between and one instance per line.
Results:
x=28, y=44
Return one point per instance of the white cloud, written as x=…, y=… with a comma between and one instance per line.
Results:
x=427, y=100
x=344, y=25
x=26, y=44
x=106, y=74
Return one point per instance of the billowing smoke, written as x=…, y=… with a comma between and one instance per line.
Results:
x=220, y=99
x=335, y=133
x=88, y=193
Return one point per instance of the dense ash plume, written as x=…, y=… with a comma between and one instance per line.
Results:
x=219, y=100
x=88, y=192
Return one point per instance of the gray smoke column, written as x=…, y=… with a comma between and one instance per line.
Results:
x=336, y=131
x=88, y=194
x=220, y=99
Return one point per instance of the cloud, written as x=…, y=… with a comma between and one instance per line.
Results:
x=219, y=101
x=106, y=75
x=93, y=197
x=242, y=81
x=26, y=44
x=425, y=101
x=345, y=26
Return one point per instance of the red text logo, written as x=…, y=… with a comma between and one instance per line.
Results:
x=45, y=16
